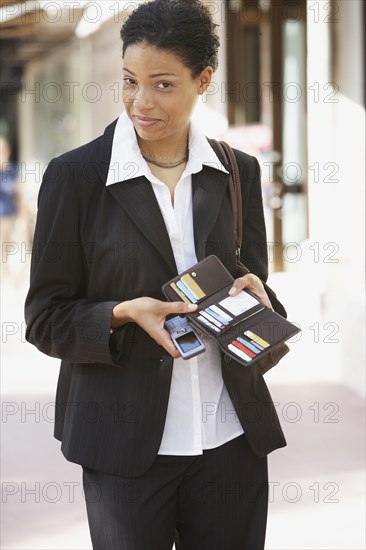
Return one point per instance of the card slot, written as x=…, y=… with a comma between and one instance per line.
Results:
x=250, y=350
x=186, y=291
x=193, y=286
x=233, y=347
x=254, y=337
x=218, y=298
x=266, y=325
x=239, y=353
x=214, y=298
x=226, y=339
x=217, y=316
x=208, y=302
x=202, y=321
x=245, y=350
x=221, y=312
x=247, y=315
x=271, y=327
x=211, y=319
x=179, y=293
x=254, y=346
x=210, y=277
x=204, y=302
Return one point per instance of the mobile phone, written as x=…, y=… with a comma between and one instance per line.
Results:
x=184, y=337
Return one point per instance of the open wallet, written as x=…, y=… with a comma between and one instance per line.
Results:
x=245, y=329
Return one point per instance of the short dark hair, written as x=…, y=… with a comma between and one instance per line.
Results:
x=183, y=27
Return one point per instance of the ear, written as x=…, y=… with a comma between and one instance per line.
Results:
x=204, y=79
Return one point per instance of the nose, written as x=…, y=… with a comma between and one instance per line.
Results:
x=143, y=98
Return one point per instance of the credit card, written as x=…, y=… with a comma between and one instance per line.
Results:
x=221, y=319
x=239, y=353
x=221, y=312
x=211, y=319
x=256, y=345
x=186, y=291
x=243, y=348
x=193, y=286
x=180, y=293
x=249, y=345
x=256, y=338
x=208, y=324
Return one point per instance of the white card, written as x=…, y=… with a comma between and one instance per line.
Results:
x=239, y=304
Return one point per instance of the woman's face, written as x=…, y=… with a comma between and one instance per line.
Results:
x=159, y=92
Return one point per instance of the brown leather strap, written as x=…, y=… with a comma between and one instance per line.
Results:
x=236, y=201
x=235, y=190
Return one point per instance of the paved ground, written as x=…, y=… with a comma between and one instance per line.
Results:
x=317, y=481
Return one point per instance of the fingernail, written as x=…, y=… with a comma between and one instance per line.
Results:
x=192, y=307
x=232, y=290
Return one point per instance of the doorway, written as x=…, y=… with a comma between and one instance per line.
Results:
x=266, y=63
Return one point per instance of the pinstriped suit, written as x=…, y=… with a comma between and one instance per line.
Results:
x=96, y=246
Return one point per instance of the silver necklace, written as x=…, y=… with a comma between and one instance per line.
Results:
x=166, y=164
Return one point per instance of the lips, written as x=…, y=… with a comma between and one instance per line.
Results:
x=145, y=122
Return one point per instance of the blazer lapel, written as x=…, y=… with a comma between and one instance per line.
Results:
x=136, y=197
x=106, y=151
x=208, y=190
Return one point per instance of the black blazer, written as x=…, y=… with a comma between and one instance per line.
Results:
x=95, y=246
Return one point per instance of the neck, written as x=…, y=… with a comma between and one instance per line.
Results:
x=167, y=150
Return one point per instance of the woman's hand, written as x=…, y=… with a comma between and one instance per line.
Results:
x=150, y=315
x=252, y=283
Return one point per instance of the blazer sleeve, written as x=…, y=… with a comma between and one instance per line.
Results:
x=254, y=252
x=61, y=321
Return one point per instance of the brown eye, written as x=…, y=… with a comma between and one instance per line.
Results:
x=165, y=85
x=129, y=81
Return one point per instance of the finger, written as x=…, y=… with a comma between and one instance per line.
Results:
x=167, y=344
x=252, y=283
x=247, y=281
x=173, y=352
x=238, y=286
x=179, y=307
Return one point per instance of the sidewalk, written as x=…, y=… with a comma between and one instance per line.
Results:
x=316, y=483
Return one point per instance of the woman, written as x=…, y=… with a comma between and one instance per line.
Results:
x=170, y=449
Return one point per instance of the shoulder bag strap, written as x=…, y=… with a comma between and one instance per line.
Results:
x=236, y=201
x=235, y=190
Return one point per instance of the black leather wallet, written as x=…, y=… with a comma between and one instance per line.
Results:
x=244, y=327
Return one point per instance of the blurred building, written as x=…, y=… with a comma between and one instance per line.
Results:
x=291, y=88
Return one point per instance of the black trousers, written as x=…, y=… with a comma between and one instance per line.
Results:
x=214, y=501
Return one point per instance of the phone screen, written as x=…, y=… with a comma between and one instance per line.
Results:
x=188, y=342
